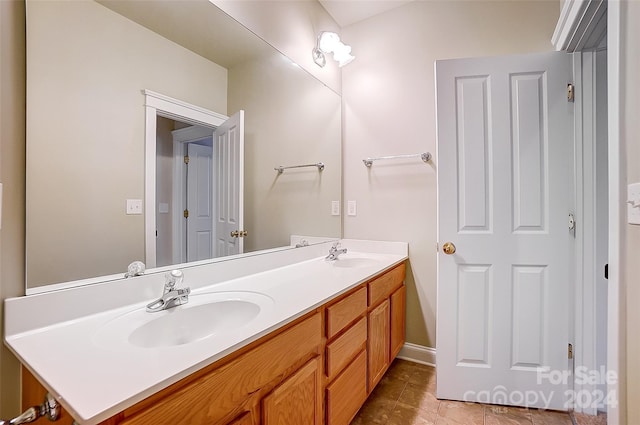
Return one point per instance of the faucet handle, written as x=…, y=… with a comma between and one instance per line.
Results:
x=173, y=278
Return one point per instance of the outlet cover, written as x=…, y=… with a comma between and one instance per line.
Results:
x=633, y=203
x=352, y=208
x=134, y=206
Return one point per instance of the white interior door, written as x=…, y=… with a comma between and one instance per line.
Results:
x=505, y=189
x=199, y=202
x=229, y=183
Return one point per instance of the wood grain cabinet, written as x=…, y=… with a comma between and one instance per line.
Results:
x=386, y=316
x=317, y=370
x=297, y=400
x=345, y=357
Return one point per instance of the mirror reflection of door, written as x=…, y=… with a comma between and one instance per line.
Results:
x=199, y=190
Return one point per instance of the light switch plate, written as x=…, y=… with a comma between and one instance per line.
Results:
x=134, y=206
x=633, y=203
x=352, y=208
x=335, y=207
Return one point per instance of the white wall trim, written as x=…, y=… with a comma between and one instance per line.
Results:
x=616, y=346
x=165, y=106
x=588, y=267
x=418, y=354
x=581, y=25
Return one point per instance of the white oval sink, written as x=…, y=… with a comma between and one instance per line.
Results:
x=354, y=262
x=204, y=316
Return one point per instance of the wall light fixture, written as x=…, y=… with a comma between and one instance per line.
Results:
x=329, y=42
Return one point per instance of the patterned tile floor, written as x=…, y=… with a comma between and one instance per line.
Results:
x=406, y=396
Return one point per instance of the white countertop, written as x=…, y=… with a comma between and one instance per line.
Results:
x=57, y=335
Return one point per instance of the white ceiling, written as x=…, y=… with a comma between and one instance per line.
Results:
x=347, y=12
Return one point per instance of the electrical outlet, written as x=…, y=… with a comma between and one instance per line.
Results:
x=352, y=209
x=134, y=206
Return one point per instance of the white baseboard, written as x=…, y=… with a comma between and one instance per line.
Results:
x=418, y=354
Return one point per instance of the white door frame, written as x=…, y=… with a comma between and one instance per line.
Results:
x=165, y=106
x=616, y=340
x=569, y=35
x=180, y=138
x=588, y=271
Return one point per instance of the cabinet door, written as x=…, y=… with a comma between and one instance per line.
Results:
x=378, y=350
x=297, y=400
x=397, y=321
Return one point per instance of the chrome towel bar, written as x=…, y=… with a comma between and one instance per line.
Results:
x=281, y=169
x=426, y=157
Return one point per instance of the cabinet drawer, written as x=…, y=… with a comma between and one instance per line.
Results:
x=383, y=286
x=341, y=351
x=222, y=392
x=348, y=392
x=345, y=311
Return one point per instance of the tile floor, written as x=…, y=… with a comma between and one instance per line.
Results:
x=406, y=396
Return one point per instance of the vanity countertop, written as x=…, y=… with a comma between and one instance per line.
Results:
x=95, y=377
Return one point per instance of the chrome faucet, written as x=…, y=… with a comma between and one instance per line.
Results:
x=334, y=252
x=171, y=296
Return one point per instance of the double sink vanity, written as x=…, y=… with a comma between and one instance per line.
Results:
x=284, y=337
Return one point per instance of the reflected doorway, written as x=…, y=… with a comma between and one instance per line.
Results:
x=184, y=192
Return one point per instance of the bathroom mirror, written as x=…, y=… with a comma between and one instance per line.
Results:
x=88, y=66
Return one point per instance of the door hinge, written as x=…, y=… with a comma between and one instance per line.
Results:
x=186, y=213
x=571, y=95
x=572, y=221
x=186, y=159
x=570, y=351
x=437, y=247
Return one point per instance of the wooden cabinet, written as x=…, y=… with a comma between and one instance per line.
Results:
x=317, y=370
x=220, y=395
x=345, y=311
x=386, y=322
x=245, y=419
x=297, y=400
x=346, y=394
x=378, y=343
x=398, y=320
x=345, y=357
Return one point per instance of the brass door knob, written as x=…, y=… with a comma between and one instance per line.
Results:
x=239, y=233
x=448, y=248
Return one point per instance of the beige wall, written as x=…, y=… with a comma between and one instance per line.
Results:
x=292, y=26
x=290, y=119
x=12, y=145
x=630, y=96
x=164, y=191
x=389, y=99
x=87, y=68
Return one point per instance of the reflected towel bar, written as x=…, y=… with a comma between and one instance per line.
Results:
x=281, y=169
x=426, y=157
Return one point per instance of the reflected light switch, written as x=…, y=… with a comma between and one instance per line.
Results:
x=335, y=207
x=134, y=206
x=633, y=203
x=352, y=208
